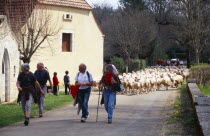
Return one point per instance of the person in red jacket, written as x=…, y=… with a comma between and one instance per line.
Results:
x=55, y=84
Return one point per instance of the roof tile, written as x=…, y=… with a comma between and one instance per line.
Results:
x=82, y=4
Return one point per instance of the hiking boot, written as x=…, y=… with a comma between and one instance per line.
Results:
x=40, y=115
x=83, y=119
x=26, y=122
x=109, y=121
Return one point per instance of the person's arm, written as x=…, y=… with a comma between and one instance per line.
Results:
x=18, y=86
x=49, y=80
x=101, y=83
x=38, y=85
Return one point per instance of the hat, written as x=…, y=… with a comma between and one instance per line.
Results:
x=25, y=66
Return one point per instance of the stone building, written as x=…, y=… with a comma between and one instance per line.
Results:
x=9, y=63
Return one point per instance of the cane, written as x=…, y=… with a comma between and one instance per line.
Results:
x=98, y=104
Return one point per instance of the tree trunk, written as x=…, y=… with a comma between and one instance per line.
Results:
x=197, y=56
x=188, y=58
x=128, y=64
x=26, y=60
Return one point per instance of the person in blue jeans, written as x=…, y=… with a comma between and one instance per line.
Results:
x=85, y=80
x=106, y=82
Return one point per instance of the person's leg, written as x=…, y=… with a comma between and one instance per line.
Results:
x=57, y=89
x=106, y=99
x=23, y=103
x=69, y=91
x=86, y=99
x=66, y=89
x=28, y=109
x=112, y=98
x=54, y=90
x=81, y=101
x=42, y=98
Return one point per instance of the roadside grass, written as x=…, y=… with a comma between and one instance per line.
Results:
x=205, y=89
x=12, y=113
x=182, y=115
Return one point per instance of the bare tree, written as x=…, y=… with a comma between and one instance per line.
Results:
x=192, y=22
x=131, y=33
x=32, y=25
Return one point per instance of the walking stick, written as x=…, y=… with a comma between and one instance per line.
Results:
x=98, y=104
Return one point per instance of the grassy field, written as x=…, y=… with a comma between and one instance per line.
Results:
x=205, y=89
x=12, y=113
x=181, y=117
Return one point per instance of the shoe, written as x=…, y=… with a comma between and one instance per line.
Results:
x=109, y=121
x=83, y=119
x=40, y=115
x=26, y=122
x=87, y=116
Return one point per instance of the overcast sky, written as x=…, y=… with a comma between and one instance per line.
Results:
x=113, y=3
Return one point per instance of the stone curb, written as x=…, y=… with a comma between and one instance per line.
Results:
x=201, y=103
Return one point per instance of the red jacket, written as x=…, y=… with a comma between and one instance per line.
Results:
x=55, y=80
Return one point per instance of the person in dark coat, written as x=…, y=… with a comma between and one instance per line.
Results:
x=25, y=84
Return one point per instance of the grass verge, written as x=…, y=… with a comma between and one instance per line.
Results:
x=12, y=113
x=181, y=117
x=205, y=89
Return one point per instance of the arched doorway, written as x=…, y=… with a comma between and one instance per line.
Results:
x=6, y=75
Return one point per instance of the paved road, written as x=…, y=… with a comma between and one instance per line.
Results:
x=135, y=115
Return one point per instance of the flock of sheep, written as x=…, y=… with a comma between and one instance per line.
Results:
x=153, y=78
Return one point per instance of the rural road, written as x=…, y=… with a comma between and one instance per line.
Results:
x=135, y=115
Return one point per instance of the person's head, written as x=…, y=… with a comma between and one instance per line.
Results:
x=82, y=68
x=109, y=69
x=55, y=73
x=40, y=66
x=107, y=61
x=67, y=72
x=25, y=67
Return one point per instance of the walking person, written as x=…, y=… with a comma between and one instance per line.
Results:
x=108, y=62
x=84, y=80
x=42, y=76
x=66, y=80
x=109, y=95
x=55, y=84
x=25, y=84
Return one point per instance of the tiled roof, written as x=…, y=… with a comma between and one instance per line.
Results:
x=82, y=4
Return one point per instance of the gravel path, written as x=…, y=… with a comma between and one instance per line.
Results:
x=134, y=115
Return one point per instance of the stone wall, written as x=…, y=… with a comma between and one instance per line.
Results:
x=201, y=104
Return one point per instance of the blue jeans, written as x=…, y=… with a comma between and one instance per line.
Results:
x=83, y=96
x=109, y=100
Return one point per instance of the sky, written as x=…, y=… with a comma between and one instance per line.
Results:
x=113, y=3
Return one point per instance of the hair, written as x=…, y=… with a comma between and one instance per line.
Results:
x=109, y=67
x=108, y=61
x=82, y=65
x=41, y=64
x=67, y=72
x=55, y=73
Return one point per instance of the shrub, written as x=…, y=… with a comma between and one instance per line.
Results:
x=137, y=64
x=201, y=74
x=119, y=63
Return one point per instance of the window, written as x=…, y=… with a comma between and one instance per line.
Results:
x=2, y=67
x=14, y=70
x=66, y=42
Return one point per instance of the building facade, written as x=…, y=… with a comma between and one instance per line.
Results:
x=9, y=63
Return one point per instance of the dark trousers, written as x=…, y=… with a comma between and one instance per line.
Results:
x=83, y=96
x=55, y=89
x=67, y=86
